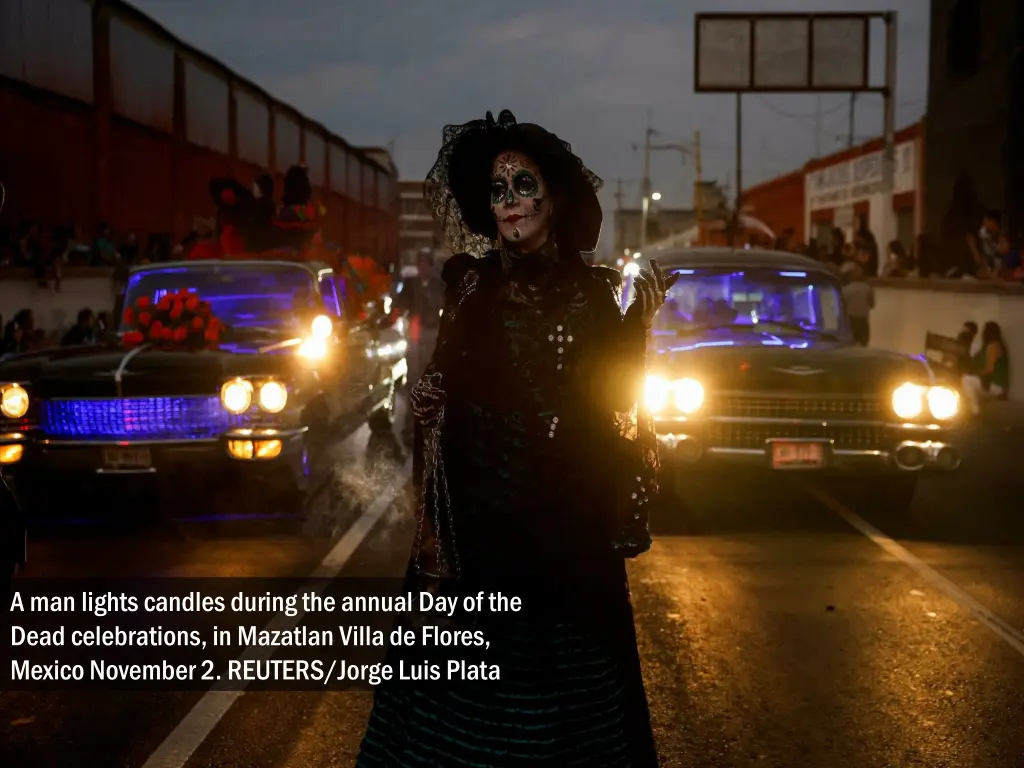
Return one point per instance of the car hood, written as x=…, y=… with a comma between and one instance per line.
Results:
x=799, y=363
x=144, y=371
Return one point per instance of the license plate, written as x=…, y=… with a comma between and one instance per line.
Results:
x=127, y=458
x=797, y=455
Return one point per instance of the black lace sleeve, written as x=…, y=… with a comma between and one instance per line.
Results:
x=624, y=346
x=431, y=551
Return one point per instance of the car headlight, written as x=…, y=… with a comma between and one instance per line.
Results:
x=908, y=401
x=273, y=397
x=685, y=394
x=943, y=402
x=13, y=401
x=322, y=327
x=689, y=395
x=656, y=392
x=236, y=396
x=313, y=349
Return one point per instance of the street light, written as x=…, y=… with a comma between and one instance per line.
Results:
x=656, y=196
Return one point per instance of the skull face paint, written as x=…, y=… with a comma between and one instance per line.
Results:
x=519, y=201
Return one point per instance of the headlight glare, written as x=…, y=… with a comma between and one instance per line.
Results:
x=273, y=397
x=322, y=327
x=313, y=349
x=908, y=400
x=236, y=396
x=943, y=402
x=689, y=395
x=656, y=392
x=14, y=401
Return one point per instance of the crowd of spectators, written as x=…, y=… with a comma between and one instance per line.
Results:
x=48, y=249
x=976, y=248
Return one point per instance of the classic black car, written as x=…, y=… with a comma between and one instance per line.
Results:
x=755, y=367
x=257, y=410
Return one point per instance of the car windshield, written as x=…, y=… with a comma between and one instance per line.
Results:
x=246, y=298
x=755, y=299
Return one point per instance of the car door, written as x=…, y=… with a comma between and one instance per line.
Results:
x=356, y=344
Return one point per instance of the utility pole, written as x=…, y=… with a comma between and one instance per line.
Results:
x=739, y=170
x=817, y=128
x=700, y=191
x=619, y=241
x=618, y=194
x=853, y=121
x=646, y=189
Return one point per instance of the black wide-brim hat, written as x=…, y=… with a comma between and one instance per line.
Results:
x=459, y=184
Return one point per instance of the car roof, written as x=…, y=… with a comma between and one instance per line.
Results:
x=312, y=267
x=735, y=258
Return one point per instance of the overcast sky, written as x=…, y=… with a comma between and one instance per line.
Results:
x=381, y=71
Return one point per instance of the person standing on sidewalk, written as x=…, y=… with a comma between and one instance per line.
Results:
x=860, y=300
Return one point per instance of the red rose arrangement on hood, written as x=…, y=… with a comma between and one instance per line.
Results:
x=180, y=318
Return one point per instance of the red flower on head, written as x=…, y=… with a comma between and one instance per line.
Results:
x=184, y=293
x=180, y=333
x=142, y=302
x=129, y=316
x=211, y=335
x=227, y=197
x=145, y=318
x=215, y=325
x=176, y=310
x=132, y=339
x=165, y=302
x=156, y=331
x=167, y=333
x=192, y=302
x=198, y=323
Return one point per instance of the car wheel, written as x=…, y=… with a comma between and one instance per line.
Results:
x=895, y=494
x=383, y=418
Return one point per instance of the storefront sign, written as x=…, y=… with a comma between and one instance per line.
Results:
x=859, y=179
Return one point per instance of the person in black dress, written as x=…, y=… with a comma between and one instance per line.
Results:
x=534, y=466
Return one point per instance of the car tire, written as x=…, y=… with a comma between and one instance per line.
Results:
x=895, y=494
x=383, y=419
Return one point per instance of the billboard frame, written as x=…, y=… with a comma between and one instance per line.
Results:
x=751, y=18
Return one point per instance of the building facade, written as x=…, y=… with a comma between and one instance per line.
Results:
x=840, y=190
x=975, y=122
x=419, y=233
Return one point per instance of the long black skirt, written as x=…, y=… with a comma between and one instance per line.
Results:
x=570, y=693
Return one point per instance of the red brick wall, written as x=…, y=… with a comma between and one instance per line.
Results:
x=779, y=203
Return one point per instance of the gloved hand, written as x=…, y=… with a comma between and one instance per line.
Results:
x=651, y=286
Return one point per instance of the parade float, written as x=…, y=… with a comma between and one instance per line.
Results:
x=250, y=225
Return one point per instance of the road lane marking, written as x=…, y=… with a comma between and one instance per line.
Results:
x=179, y=746
x=1013, y=636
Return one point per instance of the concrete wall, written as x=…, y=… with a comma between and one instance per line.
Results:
x=92, y=288
x=906, y=310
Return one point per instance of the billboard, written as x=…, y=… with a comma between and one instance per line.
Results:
x=779, y=52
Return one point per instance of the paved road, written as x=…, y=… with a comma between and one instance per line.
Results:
x=777, y=627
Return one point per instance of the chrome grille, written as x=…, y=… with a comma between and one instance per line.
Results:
x=753, y=407
x=844, y=437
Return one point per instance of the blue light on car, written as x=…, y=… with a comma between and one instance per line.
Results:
x=140, y=418
x=792, y=274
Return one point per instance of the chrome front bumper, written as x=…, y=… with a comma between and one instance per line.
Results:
x=903, y=447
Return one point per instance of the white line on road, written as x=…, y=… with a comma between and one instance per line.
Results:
x=1009, y=633
x=184, y=740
